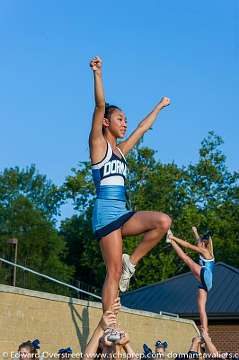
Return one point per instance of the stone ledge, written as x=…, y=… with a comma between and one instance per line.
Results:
x=92, y=304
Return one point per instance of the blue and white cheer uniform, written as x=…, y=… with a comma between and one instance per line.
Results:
x=206, y=273
x=110, y=209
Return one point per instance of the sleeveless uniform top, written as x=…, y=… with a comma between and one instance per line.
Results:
x=206, y=273
x=209, y=264
x=109, y=176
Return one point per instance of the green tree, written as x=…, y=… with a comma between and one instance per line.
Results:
x=45, y=196
x=210, y=183
x=28, y=202
x=83, y=251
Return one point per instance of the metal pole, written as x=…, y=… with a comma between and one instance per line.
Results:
x=15, y=268
x=50, y=278
x=14, y=242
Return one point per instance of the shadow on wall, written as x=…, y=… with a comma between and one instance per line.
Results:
x=81, y=323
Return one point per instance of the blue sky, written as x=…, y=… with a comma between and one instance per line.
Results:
x=187, y=50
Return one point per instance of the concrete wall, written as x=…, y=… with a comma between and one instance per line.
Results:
x=60, y=321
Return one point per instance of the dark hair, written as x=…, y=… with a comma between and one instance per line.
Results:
x=28, y=345
x=33, y=346
x=161, y=344
x=109, y=110
x=65, y=353
x=206, y=236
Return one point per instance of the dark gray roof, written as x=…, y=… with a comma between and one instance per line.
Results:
x=179, y=295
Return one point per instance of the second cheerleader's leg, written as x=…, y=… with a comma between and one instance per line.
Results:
x=202, y=299
x=202, y=294
x=193, y=266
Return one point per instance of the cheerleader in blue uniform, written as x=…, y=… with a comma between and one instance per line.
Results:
x=112, y=219
x=203, y=271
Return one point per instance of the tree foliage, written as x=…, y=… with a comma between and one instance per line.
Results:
x=28, y=203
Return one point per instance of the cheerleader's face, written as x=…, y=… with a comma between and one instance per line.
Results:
x=160, y=350
x=201, y=244
x=25, y=353
x=117, y=124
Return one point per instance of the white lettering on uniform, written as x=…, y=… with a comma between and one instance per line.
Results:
x=118, y=166
x=114, y=167
x=106, y=169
